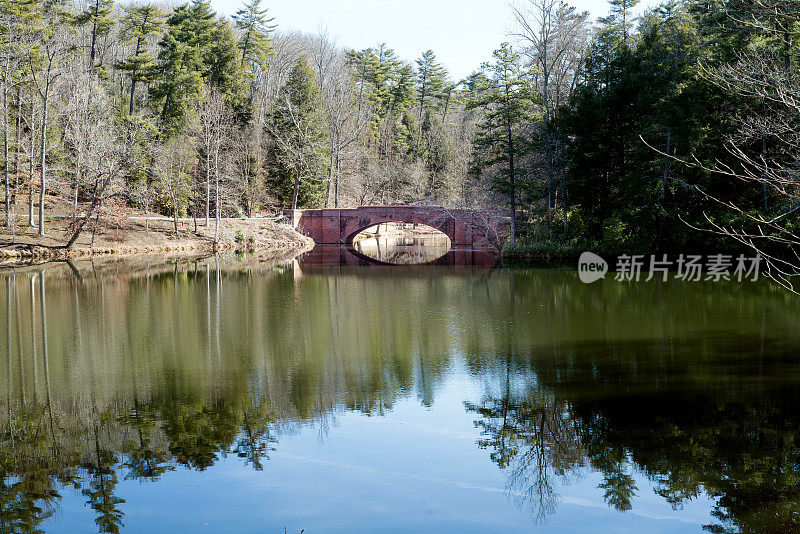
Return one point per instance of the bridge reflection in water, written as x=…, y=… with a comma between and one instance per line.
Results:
x=396, y=255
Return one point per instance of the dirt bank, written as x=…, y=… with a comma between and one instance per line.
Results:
x=127, y=232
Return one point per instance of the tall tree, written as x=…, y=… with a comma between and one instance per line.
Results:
x=299, y=156
x=256, y=27
x=140, y=23
x=99, y=17
x=179, y=83
x=224, y=71
x=44, y=60
x=621, y=12
x=507, y=102
x=555, y=38
x=431, y=78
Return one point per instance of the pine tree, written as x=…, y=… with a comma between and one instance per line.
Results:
x=186, y=60
x=299, y=156
x=179, y=83
x=101, y=489
x=621, y=13
x=254, y=43
x=223, y=68
x=402, y=94
x=438, y=153
x=384, y=77
x=98, y=15
x=430, y=81
x=140, y=23
x=193, y=25
x=507, y=102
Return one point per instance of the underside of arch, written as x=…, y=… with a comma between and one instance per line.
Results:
x=340, y=226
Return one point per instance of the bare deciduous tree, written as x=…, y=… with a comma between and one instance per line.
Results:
x=556, y=38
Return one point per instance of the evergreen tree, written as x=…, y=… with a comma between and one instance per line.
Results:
x=507, y=102
x=193, y=24
x=438, y=153
x=222, y=64
x=254, y=43
x=98, y=16
x=179, y=84
x=139, y=24
x=653, y=92
x=299, y=157
x=194, y=50
x=402, y=93
x=621, y=14
x=430, y=81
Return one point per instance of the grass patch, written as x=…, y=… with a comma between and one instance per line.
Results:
x=556, y=252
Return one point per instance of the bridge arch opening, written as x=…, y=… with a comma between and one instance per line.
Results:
x=402, y=243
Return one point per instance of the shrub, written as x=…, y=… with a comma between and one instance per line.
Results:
x=559, y=252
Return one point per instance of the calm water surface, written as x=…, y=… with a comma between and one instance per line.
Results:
x=217, y=396
x=399, y=250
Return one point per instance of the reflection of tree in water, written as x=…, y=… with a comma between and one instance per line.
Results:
x=186, y=373
x=100, y=488
x=741, y=448
x=32, y=468
x=257, y=436
x=143, y=460
x=142, y=403
x=690, y=433
x=92, y=451
x=531, y=435
x=531, y=439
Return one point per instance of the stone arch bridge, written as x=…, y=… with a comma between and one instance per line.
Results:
x=464, y=227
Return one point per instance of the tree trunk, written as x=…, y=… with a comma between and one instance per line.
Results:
x=336, y=186
x=331, y=170
x=564, y=203
x=30, y=164
x=77, y=189
x=512, y=181
x=133, y=79
x=296, y=189
x=133, y=92
x=664, y=178
x=17, y=136
x=297, y=181
x=42, y=156
x=208, y=187
x=216, y=194
x=95, y=206
x=94, y=32
x=5, y=142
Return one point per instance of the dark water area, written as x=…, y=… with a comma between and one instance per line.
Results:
x=337, y=396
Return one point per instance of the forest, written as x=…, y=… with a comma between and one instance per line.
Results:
x=673, y=130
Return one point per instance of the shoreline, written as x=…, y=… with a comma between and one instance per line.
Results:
x=236, y=235
x=10, y=252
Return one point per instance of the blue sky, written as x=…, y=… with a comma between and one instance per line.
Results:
x=463, y=33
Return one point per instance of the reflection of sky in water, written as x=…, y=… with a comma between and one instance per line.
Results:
x=668, y=378
x=416, y=469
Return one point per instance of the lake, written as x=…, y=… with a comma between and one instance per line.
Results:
x=334, y=395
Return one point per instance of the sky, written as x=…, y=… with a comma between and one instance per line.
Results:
x=462, y=33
